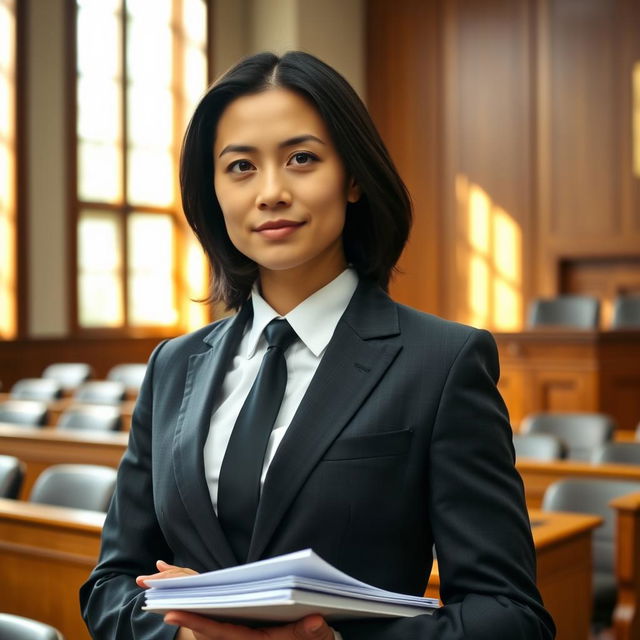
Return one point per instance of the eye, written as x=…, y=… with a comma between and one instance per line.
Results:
x=240, y=166
x=302, y=158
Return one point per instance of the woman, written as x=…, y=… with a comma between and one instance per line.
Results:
x=391, y=436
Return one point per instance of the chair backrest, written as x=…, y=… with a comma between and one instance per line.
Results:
x=581, y=432
x=591, y=495
x=69, y=374
x=11, y=476
x=91, y=417
x=36, y=389
x=626, y=312
x=100, y=392
x=579, y=312
x=25, y=412
x=80, y=486
x=617, y=452
x=19, y=628
x=539, y=446
x=130, y=374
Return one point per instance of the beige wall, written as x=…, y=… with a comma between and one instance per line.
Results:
x=330, y=29
x=46, y=169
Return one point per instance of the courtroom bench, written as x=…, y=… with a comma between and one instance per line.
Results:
x=40, y=448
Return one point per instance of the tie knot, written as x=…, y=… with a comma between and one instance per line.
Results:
x=279, y=333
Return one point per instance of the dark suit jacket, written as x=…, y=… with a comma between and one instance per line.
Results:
x=400, y=442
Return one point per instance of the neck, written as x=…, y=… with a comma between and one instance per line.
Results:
x=285, y=290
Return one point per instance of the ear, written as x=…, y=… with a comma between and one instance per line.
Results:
x=353, y=191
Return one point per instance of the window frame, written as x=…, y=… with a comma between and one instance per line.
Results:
x=124, y=209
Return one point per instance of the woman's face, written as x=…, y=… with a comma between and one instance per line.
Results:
x=281, y=184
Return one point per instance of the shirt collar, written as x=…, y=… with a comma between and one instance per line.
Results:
x=327, y=304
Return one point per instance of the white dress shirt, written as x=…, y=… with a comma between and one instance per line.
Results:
x=314, y=320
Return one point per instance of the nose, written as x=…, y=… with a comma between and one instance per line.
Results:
x=273, y=192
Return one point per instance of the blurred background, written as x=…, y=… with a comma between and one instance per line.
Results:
x=515, y=123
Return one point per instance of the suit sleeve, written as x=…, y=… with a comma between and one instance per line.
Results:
x=478, y=517
x=131, y=541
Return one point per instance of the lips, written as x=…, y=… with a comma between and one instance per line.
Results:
x=278, y=229
x=278, y=224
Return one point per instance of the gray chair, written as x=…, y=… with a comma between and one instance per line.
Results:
x=618, y=453
x=539, y=446
x=582, y=433
x=19, y=628
x=23, y=412
x=578, y=312
x=11, y=476
x=91, y=417
x=69, y=374
x=80, y=486
x=41, y=389
x=100, y=392
x=626, y=313
x=587, y=495
x=130, y=374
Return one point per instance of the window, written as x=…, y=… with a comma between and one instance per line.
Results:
x=8, y=169
x=141, y=68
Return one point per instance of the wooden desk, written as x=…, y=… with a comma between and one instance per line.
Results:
x=563, y=550
x=537, y=475
x=40, y=448
x=554, y=370
x=46, y=553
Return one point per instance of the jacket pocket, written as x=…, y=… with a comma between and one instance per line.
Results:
x=391, y=443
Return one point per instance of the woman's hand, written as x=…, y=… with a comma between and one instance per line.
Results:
x=165, y=570
x=312, y=627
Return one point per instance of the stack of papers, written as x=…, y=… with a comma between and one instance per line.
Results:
x=281, y=589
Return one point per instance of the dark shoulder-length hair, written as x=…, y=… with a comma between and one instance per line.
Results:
x=376, y=227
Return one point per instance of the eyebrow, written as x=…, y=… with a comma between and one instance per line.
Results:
x=290, y=142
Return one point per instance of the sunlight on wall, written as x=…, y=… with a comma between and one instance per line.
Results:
x=7, y=171
x=489, y=259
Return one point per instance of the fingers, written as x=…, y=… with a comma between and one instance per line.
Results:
x=205, y=628
x=313, y=628
x=165, y=570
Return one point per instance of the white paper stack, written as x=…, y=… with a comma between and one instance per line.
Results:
x=281, y=589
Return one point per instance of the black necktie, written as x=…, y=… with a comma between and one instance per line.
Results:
x=239, y=483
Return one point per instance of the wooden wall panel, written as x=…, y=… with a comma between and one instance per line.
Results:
x=28, y=358
x=586, y=189
x=488, y=161
x=404, y=71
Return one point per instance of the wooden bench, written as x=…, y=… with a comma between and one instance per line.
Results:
x=537, y=475
x=41, y=448
x=46, y=553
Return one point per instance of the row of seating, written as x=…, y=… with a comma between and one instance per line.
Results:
x=79, y=486
x=582, y=312
x=14, y=627
x=62, y=379
x=577, y=436
x=93, y=417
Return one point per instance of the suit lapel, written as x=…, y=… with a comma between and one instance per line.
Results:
x=351, y=367
x=204, y=379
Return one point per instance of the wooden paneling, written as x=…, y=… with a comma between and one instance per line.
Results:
x=513, y=114
x=547, y=370
x=404, y=85
x=46, y=553
x=587, y=193
x=28, y=358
